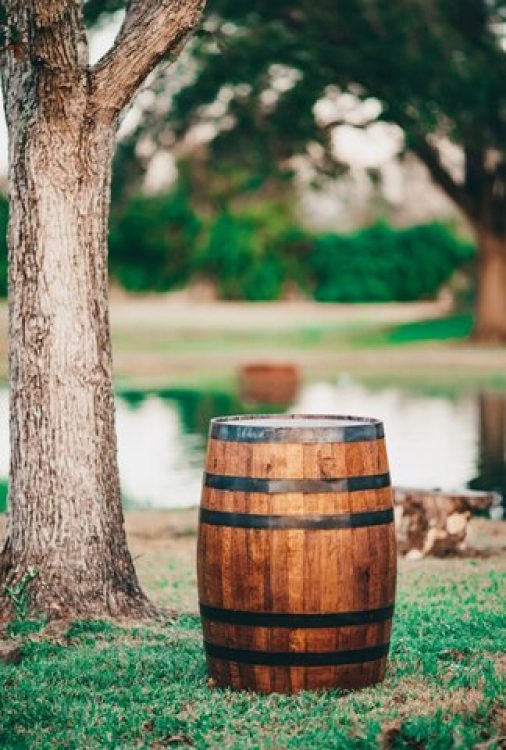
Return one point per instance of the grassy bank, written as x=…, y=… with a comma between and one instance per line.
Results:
x=370, y=344
x=95, y=684
x=162, y=343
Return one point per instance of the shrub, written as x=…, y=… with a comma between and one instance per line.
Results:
x=151, y=242
x=381, y=264
x=251, y=254
x=157, y=243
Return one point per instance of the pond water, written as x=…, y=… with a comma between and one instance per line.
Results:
x=433, y=441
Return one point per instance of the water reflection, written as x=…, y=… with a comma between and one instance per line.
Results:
x=160, y=463
x=433, y=441
x=491, y=464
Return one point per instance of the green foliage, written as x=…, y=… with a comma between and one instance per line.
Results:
x=151, y=242
x=4, y=217
x=158, y=243
x=381, y=264
x=4, y=491
x=98, y=11
x=20, y=600
x=437, y=68
x=147, y=687
x=252, y=253
x=453, y=327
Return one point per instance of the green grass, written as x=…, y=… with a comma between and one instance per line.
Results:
x=449, y=382
x=345, y=335
x=208, y=359
x=450, y=329
x=454, y=327
x=146, y=687
x=158, y=349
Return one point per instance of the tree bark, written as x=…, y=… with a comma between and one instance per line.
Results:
x=490, y=310
x=65, y=513
x=65, y=518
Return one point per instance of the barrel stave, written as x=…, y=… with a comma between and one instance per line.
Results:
x=275, y=571
x=296, y=502
x=292, y=679
x=296, y=460
x=296, y=639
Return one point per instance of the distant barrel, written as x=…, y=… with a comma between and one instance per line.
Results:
x=269, y=382
x=296, y=552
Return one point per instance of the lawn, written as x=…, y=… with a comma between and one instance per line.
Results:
x=96, y=684
x=204, y=348
x=104, y=685
x=159, y=343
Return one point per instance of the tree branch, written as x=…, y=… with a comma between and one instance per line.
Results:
x=430, y=157
x=151, y=31
x=46, y=47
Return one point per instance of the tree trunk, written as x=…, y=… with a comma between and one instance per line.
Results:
x=490, y=313
x=65, y=514
x=492, y=442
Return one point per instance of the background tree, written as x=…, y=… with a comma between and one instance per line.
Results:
x=65, y=516
x=437, y=68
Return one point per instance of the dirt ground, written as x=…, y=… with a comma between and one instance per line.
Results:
x=169, y=338
x=163, y=544
x=179, y=310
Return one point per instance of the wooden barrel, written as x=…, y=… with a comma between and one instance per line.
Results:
x=296, y=553
x=269, y=382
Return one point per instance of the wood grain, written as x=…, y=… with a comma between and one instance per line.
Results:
x=324, y=503
x=297, y=460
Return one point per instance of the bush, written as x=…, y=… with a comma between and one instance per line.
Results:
x=157, y=243
x=151, y=242
x=381, y=264
x=251, y=254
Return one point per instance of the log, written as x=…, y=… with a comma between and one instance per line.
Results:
x=436, y=522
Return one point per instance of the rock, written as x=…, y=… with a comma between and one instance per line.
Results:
x=10, y=654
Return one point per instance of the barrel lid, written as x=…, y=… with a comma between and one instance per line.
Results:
x=295, y=428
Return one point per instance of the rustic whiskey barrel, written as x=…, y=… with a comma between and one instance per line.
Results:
x=269, y=382
x=296, y=553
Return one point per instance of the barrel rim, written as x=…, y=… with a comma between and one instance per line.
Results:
x=235, y=428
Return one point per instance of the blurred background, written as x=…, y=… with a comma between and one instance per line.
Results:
x=301, y=209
